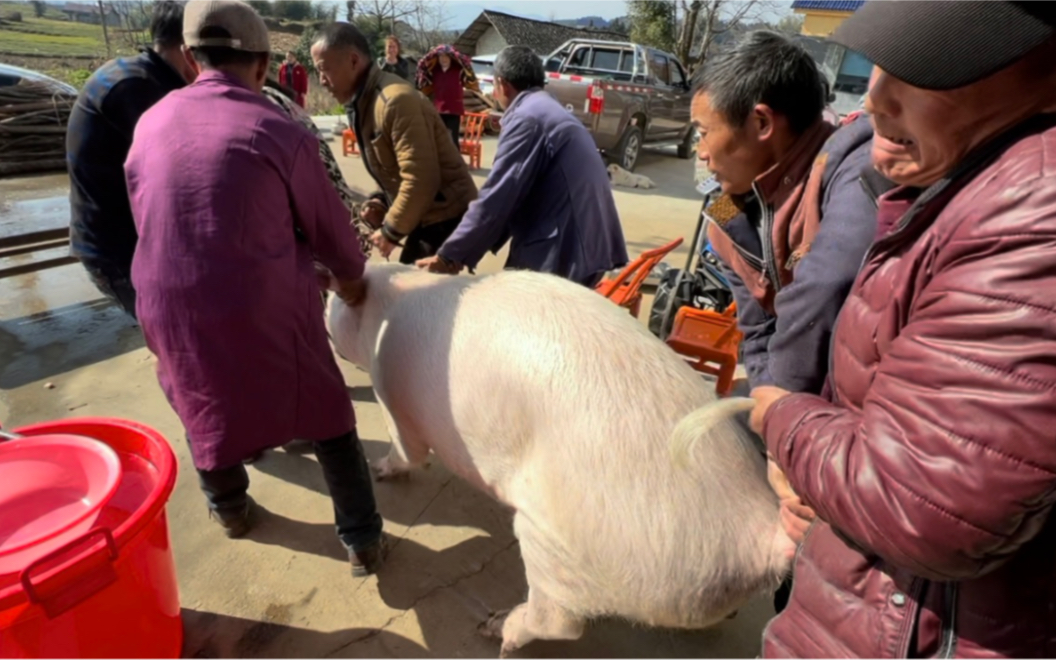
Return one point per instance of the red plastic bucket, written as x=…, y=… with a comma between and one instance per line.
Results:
x=112, y=591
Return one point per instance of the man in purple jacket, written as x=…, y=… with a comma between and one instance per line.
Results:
x=548, y=192
x=231, y=203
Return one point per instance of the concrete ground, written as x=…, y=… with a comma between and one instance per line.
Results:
x=286, y=590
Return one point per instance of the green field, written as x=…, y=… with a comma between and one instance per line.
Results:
x=57, y=38
x=26, y=10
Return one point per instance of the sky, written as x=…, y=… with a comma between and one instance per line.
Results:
x=462, y=12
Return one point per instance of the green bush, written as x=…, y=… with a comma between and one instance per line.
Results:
x=77, y=77
x=303, y=50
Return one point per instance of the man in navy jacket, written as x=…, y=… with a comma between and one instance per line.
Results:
x=98, y=137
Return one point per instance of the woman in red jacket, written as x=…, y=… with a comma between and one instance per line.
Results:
x=293, y=75
x=443, y=74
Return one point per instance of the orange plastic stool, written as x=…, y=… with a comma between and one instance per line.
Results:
x=626, y=289
x=349, y=146
x=472, y=133
x=711, y=341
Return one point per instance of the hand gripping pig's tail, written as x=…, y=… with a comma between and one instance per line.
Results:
x=704, y=422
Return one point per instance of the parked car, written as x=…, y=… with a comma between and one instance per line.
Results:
x=627, y=95
x=13, y=75
x=484, y=67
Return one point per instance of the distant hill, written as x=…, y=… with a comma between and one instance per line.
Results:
x=585, y=21
x=596, y=22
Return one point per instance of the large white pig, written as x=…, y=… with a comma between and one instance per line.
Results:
x=635, y=493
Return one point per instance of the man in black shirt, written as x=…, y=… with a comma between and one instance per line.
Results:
x=98, y=137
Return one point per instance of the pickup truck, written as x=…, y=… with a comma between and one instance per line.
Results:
x=626, y=95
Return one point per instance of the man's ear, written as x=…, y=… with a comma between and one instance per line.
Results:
x=763, y=118
x=262, y=68
x=188, y=56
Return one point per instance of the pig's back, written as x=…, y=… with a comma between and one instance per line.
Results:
x=574, y=432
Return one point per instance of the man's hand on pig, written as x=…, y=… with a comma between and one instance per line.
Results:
x=437, y=264
x=384, y=245
x=323, y=276
x=352, y=292
x=795, y=516
x=765, y=396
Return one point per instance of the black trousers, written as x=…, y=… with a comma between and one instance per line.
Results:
x=347, y=478
x=425, y=241
x=453, y=123
x=114, y=285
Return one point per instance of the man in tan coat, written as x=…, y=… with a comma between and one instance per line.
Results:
x=425, y=184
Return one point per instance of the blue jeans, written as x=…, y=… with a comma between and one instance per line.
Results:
x=347, y=478
x=115, y=286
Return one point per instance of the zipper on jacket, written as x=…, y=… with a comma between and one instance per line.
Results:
x=752, y=260
x=914, y=594
x=949, y=622
x=871, y=194
x=766, y=218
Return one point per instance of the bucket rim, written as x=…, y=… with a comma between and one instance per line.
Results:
x=104, y=452
x=130, y=528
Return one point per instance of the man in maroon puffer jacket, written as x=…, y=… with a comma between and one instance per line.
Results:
x=932, y=470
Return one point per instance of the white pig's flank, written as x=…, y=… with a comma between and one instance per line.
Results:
x=563, y=406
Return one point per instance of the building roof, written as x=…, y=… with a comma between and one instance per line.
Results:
x=541, y=36
x=829, y=5
x=75, y=8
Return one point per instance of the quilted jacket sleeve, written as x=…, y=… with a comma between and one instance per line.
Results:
x=950, y=466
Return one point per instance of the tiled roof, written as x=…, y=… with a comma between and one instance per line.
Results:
x=540, y=36
x=829, y=5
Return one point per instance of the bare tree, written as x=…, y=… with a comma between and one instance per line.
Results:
x=133, y=16
x=106, y=33
x=791, y=24
x=705, y=21
x=350, y=10
x=428, y=24
x=386, y=13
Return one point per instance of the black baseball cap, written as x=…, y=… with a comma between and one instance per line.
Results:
x=946, y=44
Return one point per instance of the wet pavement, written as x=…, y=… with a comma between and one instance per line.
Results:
x=285, y=590
x=53, y=320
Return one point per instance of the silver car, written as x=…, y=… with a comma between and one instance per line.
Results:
x=13, y=75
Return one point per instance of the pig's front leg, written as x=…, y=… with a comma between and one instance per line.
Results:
x=399, y=463
x=392, y=467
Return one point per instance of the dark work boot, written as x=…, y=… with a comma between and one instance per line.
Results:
x=367, y=562
x=236, y=523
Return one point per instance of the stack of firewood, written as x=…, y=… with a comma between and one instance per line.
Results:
x=477, y=102
x=33, y=119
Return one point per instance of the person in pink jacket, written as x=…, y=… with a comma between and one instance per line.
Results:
x=231, y=210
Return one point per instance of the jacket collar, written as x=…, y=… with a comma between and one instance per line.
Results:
x=365, y=93
x=773, y=184
x=172, y=76
x=220, y=77
x=517, y=102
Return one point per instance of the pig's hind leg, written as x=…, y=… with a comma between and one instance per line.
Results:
x=403, y=456
x=539, y=618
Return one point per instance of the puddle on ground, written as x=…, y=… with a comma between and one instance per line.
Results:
x=27, y=215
